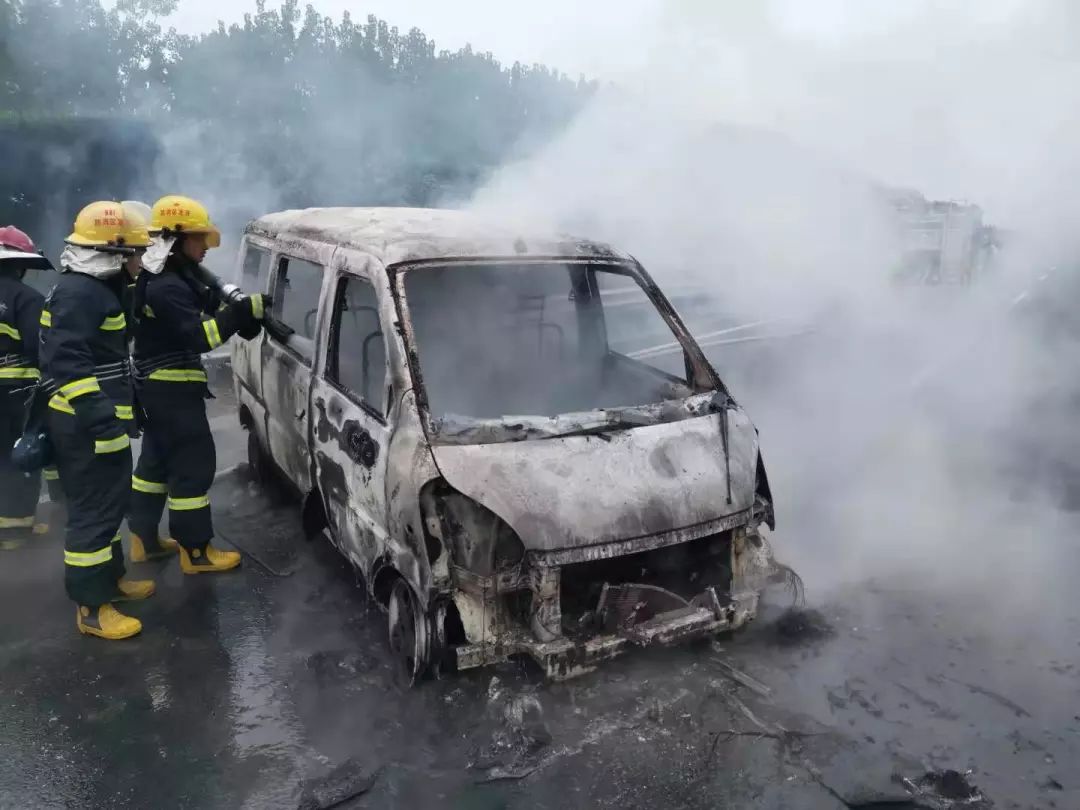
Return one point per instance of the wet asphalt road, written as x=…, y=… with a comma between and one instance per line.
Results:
x=243, y=686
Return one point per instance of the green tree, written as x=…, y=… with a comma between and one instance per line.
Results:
x=286, y=108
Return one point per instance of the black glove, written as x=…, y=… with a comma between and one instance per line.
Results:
x=240, y=311
x=250, y=330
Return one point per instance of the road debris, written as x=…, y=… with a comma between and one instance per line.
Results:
x=934, y=790
x=751, y=683
x=519, y=736
x=768, y=728
x=950, y=785
x=525, y=762
x=348, y=780
x=801, y=626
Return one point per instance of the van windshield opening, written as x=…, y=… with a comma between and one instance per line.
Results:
x=540, y=340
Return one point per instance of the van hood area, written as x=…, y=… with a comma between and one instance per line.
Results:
x=583, y=490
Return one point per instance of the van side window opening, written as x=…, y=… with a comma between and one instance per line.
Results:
x=635, y=328
x=296, y=302
x=357, y=358
x=256, y=270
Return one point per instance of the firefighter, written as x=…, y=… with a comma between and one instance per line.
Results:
x=20, y=311
x=179, y=320
x=85, y=372
x=146, y=508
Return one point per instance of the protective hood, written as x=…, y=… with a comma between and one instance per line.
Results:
x=90, y=262
x=31, y=261
x=154, y=259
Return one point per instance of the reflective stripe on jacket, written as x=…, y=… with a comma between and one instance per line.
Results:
x=20, y=311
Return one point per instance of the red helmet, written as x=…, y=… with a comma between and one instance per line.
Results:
x=12, y=237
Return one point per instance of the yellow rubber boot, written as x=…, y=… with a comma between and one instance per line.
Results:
x=198, y=561
x=132, y=590
x=106, y=622
x=139, y=553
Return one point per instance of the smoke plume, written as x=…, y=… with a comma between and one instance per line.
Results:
x=907, y=429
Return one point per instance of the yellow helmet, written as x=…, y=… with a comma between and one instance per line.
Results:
x=175, y=215
x=105, y=225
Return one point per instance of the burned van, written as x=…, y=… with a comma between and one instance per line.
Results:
x=514, y=438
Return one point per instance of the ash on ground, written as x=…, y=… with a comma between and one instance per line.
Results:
x=801, y=626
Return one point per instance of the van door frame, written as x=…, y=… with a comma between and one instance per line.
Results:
x=297, y=464
x=251, y=350
x=357, y=516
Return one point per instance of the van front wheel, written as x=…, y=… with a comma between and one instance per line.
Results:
x=409, y=639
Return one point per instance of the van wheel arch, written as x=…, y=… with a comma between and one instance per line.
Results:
x=382, y=582
x=247, y=419
x=313, y=514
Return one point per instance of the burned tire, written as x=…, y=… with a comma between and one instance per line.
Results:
x=408, y=636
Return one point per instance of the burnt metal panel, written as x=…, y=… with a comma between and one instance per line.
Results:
x=580, y=491
x=395, y=235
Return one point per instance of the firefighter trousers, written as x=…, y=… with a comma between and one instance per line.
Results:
x=175, y=469
x=19, y=492
x=96, y=487
x=52, y=484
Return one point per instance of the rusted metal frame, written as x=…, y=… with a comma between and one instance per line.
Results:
x=262, y=243
x=396, y=273
x=562, y=658
x=545, y=616
x=503, y=582
x=341, y=274
x=313, y=252
x=632, y=545
x=702, y=366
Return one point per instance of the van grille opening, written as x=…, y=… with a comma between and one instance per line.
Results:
x=685, y=569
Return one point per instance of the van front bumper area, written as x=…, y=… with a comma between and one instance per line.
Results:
x=564, y=658
x=570, y=610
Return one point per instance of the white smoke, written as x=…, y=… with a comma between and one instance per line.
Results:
x=747, y=158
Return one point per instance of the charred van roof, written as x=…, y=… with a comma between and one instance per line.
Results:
x=395, y=235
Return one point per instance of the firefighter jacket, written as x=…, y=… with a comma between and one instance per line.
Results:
x=20, y=311
x=84, y=357
x=179, y=320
